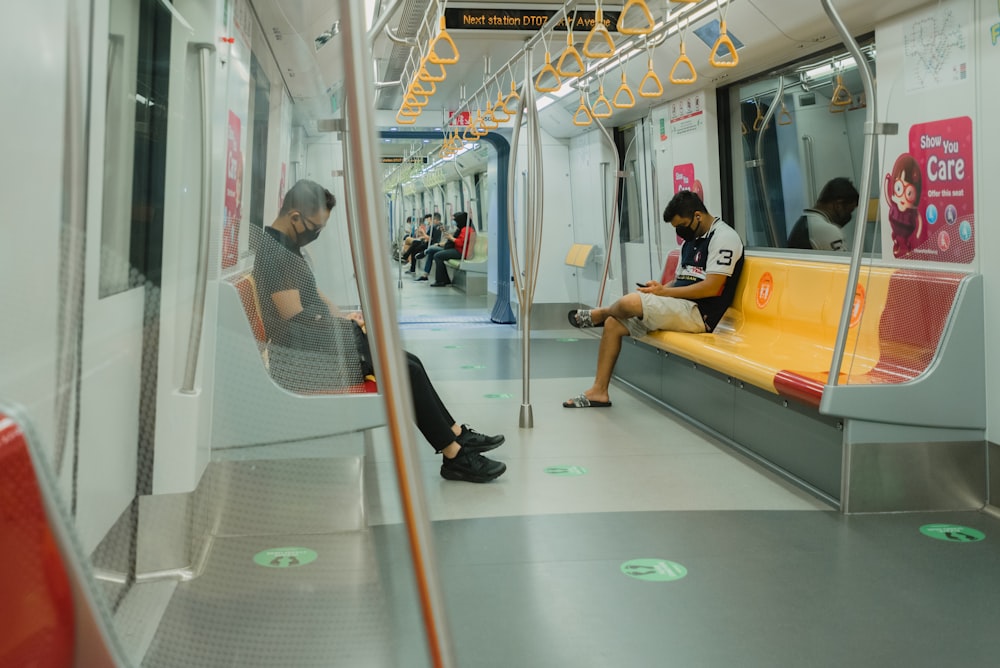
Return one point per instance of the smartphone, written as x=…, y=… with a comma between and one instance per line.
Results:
x=640, y=285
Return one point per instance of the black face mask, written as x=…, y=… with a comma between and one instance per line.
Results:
x=309, y=234
x=687, y=233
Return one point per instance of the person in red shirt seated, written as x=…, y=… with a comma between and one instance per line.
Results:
x=454, y=249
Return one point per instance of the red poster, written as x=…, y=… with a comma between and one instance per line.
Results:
x=234, y=194
x=930, y=194
x=683, y=177
x=281, y=187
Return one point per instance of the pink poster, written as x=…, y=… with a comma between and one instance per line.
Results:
x=281, y=187
x=683, y=177
x=234, y=194
x=930, y=194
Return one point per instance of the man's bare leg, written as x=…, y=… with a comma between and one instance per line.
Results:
x=629, y=306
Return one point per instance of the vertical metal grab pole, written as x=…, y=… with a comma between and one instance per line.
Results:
x=380, y=311
x=205, y=209
x=872, y=129
x=72, y=237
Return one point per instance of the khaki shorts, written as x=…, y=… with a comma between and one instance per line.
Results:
x=666, y=313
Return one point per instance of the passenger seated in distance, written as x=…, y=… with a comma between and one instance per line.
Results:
x=313, y=342
x=820, y=228
x=709, y=269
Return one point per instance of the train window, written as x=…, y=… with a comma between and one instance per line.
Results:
x=135, y=145
x=260, y=111
x=632, y=220
x=797, y=136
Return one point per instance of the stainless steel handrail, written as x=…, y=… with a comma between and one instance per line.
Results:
x=610, y=230
x=871, y=130
x=73, y=236
x=380, y=311
x=759, y=160
x=205, y=214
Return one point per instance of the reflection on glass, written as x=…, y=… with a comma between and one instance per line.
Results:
x=802, y=130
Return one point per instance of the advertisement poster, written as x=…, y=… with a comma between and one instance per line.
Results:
x=687, y=114
x=234, y=193
x=684, y=179
x=929, y=191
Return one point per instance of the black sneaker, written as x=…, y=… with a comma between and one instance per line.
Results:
x=472, y=439
x=471, y=467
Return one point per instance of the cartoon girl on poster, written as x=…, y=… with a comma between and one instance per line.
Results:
x=902, y=189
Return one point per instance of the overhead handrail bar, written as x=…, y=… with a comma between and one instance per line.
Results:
x=624, y=50
x=723, y=41
x=633, y=5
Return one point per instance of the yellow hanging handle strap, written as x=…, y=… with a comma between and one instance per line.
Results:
x=650, y=80
x=784, y=118
x=582, y=117
x=841, y=97
x=724, y=41
x=548, y=69
x=682, y=59
x=424, y=74
x=499, y=113
x=512, y=97
x=638, y=5
x=443, y=36
x=758, y=122
x=573, y=56
x=602, y=106
x=602, y=30
x=417, y=87
x=623, y=91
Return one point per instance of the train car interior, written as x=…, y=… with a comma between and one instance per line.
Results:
x=333, y=333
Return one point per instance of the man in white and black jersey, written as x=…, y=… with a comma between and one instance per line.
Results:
x=710, y=266
x=821, y=227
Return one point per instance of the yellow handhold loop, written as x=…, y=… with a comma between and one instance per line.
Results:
x=470, y=134
x=650, y=77
x=682, y=59
x=405, y=120
x=629, y=100
x=489, y=122
x=442, y=36
x=499, y=113
x=601, y=107
x=417, y=88
x=408, y=111
x=784, y=118
x=480, y=123
x=548, y=69
x=640, y=4
x=410, y=99
x=424, y=74
x=758, y=122
x=570, y=53
x=841, y=97
x=512, y=96
x=582, y=117
x=602, y=30
x=724, y=41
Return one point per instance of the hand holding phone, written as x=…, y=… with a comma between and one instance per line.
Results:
x=641, y=285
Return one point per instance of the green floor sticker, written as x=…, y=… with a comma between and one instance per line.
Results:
x=654, y=570
x=499, y=396
x=473, y=366
x=567, y=340
x=285, y=557
x=565, y=470
x=952, y=533
x=452, y=347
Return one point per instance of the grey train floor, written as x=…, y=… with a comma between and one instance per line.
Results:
x=531, y=564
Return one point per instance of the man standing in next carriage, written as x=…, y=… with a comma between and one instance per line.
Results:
x=710, y=266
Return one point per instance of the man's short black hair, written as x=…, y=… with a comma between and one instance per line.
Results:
x=307, y=197
x=684, y=204
x=839, y=189
x=437, y=216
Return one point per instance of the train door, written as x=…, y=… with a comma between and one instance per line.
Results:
x=636, y=221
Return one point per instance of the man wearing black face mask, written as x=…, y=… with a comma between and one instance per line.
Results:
x=710, y=266
x=313, y=347
x=820, y=228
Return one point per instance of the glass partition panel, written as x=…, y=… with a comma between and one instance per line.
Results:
x=798, y=161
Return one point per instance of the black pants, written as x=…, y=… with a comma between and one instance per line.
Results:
x=441, y=271
x=417, y=246
x=433, y=419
